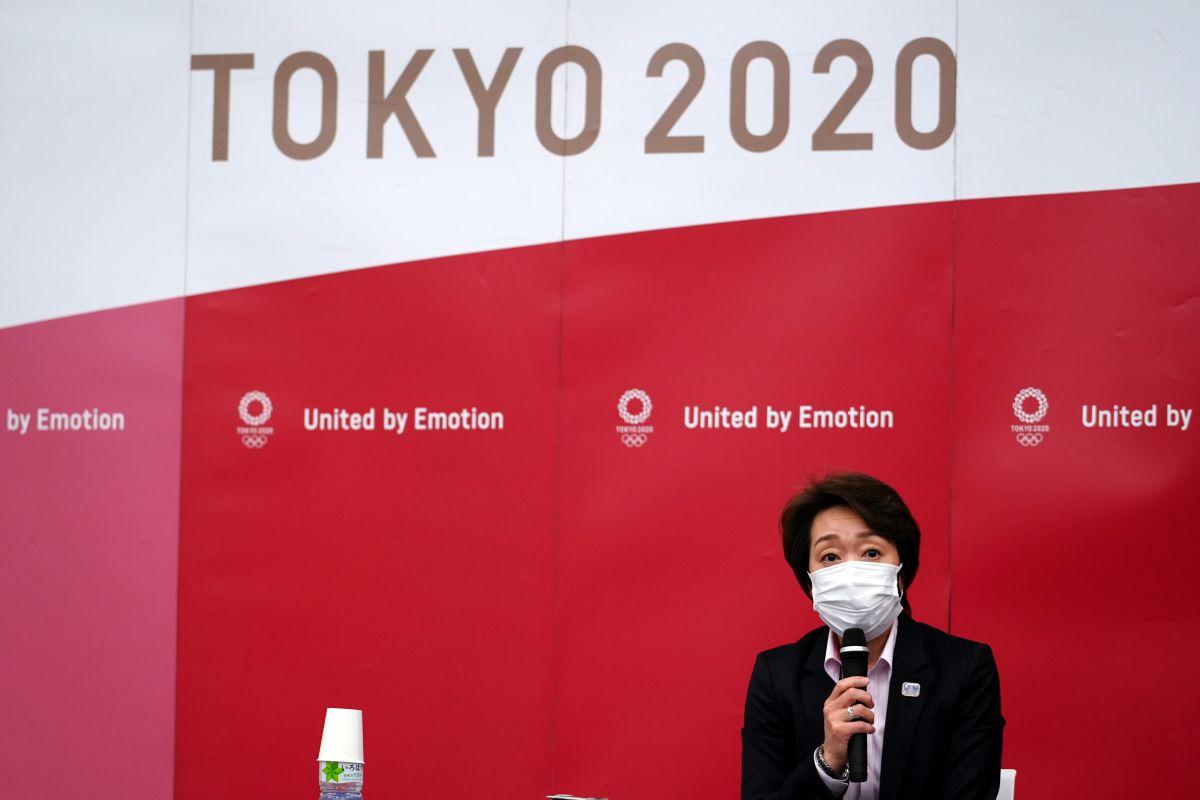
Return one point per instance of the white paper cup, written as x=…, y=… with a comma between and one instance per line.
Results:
x=342, y=738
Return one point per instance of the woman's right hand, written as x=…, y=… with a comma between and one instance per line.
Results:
x=846, y=693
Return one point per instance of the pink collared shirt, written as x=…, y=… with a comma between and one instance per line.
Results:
x=879, y=676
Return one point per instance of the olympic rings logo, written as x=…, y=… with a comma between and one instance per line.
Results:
x=244, y=408
x=1029, y=439
x=1019, y=405
x=634, y=419
x=255, y=441
x=633, y=439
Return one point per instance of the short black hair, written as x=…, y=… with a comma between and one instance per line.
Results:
x=878, y=504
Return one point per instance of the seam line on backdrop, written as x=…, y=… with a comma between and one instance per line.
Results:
x=187, y=218
x=558, y=432
x=953, y=344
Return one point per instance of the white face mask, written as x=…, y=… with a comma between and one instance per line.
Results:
x=857, y=594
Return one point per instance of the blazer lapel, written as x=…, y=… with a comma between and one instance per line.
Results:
x=815, y=686
x=911, y=666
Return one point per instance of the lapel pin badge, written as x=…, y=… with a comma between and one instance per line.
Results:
x=911, y=690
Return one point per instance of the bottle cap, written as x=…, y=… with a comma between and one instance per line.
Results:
x=342, y=738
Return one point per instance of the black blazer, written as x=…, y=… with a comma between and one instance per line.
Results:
x=944, y=743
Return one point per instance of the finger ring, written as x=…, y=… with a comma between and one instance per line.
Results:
x=850, y=713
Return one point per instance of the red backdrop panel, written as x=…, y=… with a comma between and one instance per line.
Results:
x=1074, y=557
x=499, y=652
x=671, y=574
x=87, y=535
x=410, y=575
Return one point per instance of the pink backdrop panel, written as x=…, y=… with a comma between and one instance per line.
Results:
x=672, y=575
x=1073, y=557
x=87, y=580
x=407, y=575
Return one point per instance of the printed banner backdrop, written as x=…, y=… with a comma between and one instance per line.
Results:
x=661, y=543
x=463, y=362
x=1067, y=568
x=385, y=563
x=93, y=154
x=90, y=499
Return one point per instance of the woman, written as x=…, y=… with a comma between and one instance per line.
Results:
x=930, y=704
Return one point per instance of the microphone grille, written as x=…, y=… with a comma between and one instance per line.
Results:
x=854, y=637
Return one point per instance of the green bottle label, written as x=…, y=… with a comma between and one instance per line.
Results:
x=340, y=772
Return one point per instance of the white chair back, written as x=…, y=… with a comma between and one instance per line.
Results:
x=1008, y=783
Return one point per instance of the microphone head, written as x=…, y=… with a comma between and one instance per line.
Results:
x=854, y=653
x=854, y=637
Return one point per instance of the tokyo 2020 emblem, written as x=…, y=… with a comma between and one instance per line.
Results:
x=634, y=408
x=1029, y=407
x=255, y=410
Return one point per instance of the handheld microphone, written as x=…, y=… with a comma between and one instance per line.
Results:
x=854, y=664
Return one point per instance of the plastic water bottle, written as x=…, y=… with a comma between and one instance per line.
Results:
x=340, y=759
